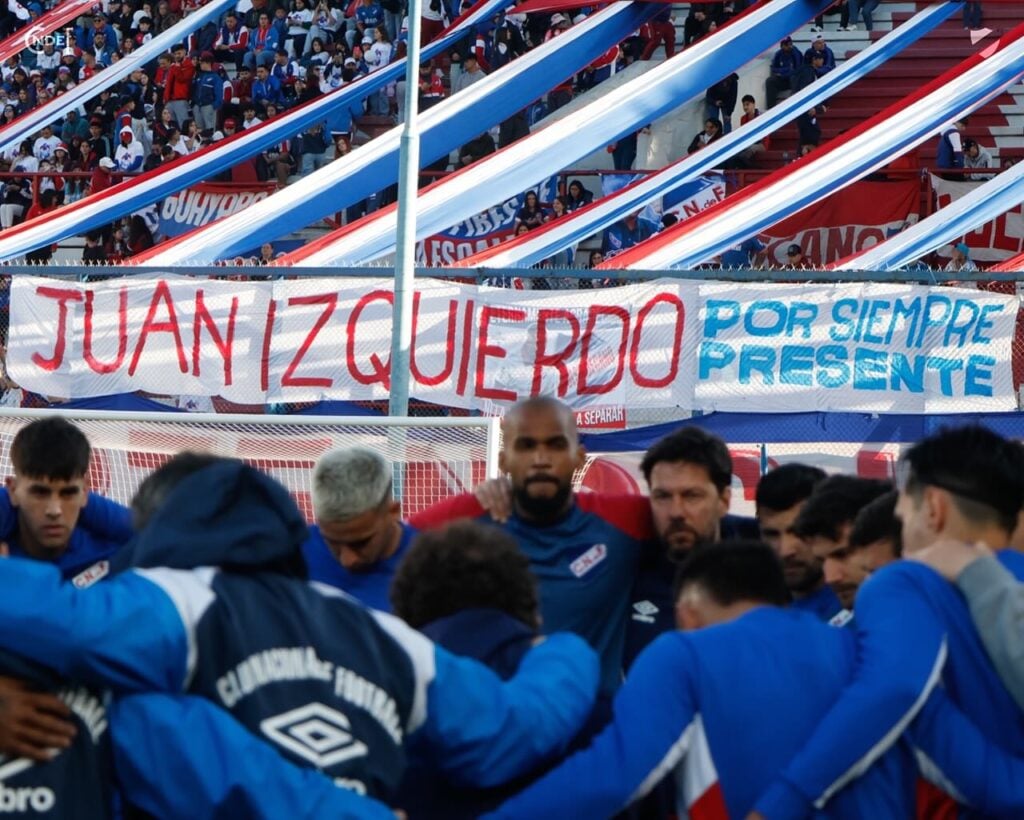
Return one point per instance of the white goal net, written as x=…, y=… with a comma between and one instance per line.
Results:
x=432, y=458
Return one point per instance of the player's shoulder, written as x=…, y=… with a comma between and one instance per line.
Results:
x=897, y=586
x=1013, y=561
x=629, y=513
x=464, y=505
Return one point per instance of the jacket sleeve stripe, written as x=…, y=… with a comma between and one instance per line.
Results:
x=892, y=735
x=420, y=650
x=191, y=593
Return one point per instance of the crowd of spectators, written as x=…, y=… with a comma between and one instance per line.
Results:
x=249, y=67
x=244, y=69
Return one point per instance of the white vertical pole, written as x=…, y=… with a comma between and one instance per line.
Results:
x=405, y=259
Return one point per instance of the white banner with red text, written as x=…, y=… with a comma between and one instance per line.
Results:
x=995, y=241
x=666, y=343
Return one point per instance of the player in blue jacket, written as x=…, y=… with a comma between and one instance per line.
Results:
x=61, y=738
x=359, y=538
x=217, y=606
x=826, y=521
x=47, y=496
x=781, y=496
x=913, y=629
x=692, y=709
x=177, y=758
x=180, y=757
x=468, y=587
x=584, y=548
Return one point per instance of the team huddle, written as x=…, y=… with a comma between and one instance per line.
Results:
x=522, y=651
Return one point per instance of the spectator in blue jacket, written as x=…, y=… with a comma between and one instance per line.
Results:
x=785, y=63
x=819, y=47
x=85, y=34
x=264, y=41
x=266, y=90
x=207, y=93
x=368, y=16
x=103, y=48
x=627, y=232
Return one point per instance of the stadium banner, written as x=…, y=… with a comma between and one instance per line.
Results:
x=490, y=227
x=995, y=241
x=879, y=348
x=203, y=203
x=866, y=214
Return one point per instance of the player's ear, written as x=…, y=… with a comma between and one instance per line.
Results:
x=502, y=463
x=581, y=456
x=937, y=503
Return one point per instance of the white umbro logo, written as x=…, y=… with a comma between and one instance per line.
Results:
x=316, y=732
x=645, y=611
x=590, y=559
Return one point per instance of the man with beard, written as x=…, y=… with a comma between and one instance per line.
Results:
x=583, y=548
x=823, y=531
x=781, y=496
x=688, y=473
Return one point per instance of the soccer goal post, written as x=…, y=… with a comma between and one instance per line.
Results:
x=432, y=458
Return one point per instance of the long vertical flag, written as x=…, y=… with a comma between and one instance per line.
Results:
x=44, y=25
x=445, y=126
x=137, y=192
x=984, y=203
x=59, y=106
x=548, y=239
x=863, y=149
x=620, y=111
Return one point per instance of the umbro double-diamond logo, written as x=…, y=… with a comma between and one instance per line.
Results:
x=318, y=733
x=644, y=611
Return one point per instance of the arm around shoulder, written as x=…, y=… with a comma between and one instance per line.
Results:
x=486, y=731
x=996, y=599
x=183, y=757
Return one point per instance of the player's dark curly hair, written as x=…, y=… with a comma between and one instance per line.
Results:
x=465, y=565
